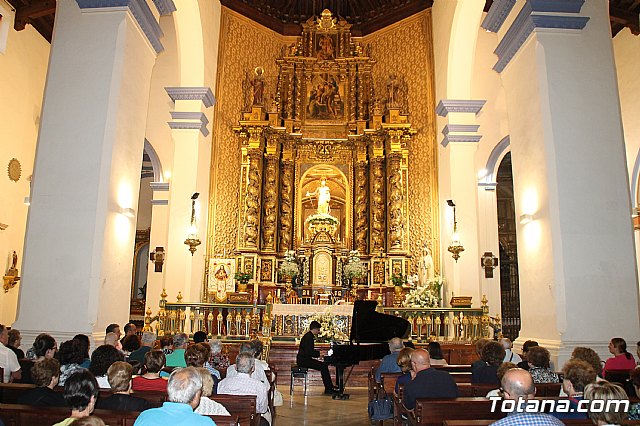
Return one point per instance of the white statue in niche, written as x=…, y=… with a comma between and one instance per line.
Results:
x=324, y=197
x=426, y=266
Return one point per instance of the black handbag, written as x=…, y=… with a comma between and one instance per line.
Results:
x=381, y=409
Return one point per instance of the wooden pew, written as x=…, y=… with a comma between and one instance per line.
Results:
x=433, y=412
x=243, y=407
x=461, y=377
x=26, y=415
x=454, y=368
x=481, y=389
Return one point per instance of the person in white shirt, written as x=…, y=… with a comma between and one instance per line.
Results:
x=510, y=355
x=8, y=358
x=243, y=384
x=208, y=406
x=258, y=371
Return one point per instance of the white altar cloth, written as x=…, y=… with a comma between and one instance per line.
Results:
x=301, y=309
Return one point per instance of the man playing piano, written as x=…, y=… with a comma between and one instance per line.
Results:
x=307, y=353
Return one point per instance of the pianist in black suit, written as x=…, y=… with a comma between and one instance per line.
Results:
x=307, y=353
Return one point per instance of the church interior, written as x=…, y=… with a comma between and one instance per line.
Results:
x=246, y=166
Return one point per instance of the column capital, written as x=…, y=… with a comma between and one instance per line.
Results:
x=140, y=11
x=445, y=106
x=189, y=120
x=535, y=14
x=203, y=94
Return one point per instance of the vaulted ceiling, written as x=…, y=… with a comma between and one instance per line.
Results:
x=285, y=16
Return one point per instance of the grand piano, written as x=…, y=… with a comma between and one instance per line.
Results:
x=368, y=340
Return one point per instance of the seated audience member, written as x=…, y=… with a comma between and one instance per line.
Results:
x=119, y=375
x=638, y=352
x=208, y=406
x=622, y=360
x=258, y=370
x=538, y=358
x=151, y=380
x=492, y=356
x=435, y=353
x=45, y=374
x=504, y=367
x=184, y=391
x=113, y=328
x=166, y=345
x=176, y=358
x=517, y=384
x=200, y=337
x=428, y=382
x=577, y=375
x=130, y=344
x=101, y=360
x=612, y=414
x=80, y=393
x=509, y=356
x=404, y=362
x=389, y=363
x=112, y=339
x=197, y=356
x=147, y=341
x=83, y=340
x=242, y=383
x=15, y=339
x=130, y=329
x=89, y=421
x=634, y=409
x=44, y=346
x=257, y=353
x=70, y=356
x=525, y=350
x=8, y=359
x=480, y=343
x=218, y=359
x=590, y=357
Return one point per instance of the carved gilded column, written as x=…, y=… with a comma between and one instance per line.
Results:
x=352, y=92
x=394, y=202
x=378, y=196
x=270, y=203
x=286, y=198
x=361, y=206
x=360, y=79
x=289, y=94
x=299, y=107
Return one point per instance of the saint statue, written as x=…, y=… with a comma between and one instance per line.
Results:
x=258, y=86
x=324, y=196
x=426, y=266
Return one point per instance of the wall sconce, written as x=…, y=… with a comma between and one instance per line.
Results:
x=455, y=248
x=128, y=212
x=192, y=239
x=526, y=218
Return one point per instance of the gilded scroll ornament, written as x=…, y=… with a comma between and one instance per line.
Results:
x=396, y=231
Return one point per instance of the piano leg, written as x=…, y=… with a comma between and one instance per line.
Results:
x=340, y=383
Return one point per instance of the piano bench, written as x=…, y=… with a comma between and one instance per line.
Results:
x=300, y=373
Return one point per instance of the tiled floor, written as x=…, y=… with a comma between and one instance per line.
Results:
x=319, y=409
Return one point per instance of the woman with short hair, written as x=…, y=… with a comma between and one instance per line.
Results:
x=612, y=414
x=154, y=362
x=45, y=376
x=71, y=356
x=492, y=355
x=119, y=375
x=435, y=353
x=404, y=362
x=80, y=393
x=539, y=358
x=208, y=406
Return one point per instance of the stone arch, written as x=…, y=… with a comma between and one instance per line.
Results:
x=493, y=161
x=158, y=176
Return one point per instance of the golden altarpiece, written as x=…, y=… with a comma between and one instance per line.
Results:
x=324, y=163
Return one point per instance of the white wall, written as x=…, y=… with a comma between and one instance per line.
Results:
x=23, y=69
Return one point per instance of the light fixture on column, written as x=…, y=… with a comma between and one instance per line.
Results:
x=526, y=218
x=455, y=248
x=192, y=239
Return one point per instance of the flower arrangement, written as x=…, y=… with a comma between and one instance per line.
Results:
x=243, y=277
x=398, y=279
x=354, y=267
x=289, y=268
x=323, y=218
x=421, y=297
x=330, y=327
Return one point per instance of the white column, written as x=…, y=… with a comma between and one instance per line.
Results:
x=79, y=242
x=458, y=182
x=189, y=135
x=578, y=279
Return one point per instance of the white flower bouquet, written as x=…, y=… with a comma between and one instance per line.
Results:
x=354, y=267
x=331, y=327
x=421, y=297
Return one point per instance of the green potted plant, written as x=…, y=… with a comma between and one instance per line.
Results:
x=243, y=279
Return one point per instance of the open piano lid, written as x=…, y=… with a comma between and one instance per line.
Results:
x=371, y=326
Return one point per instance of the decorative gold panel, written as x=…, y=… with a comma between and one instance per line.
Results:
x=406, y=49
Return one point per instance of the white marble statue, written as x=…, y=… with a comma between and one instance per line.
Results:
x=324, y=197
x=426, y=266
